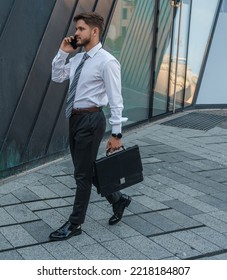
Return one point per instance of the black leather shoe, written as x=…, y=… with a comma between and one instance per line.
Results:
x=65, y=232
x=118, y=209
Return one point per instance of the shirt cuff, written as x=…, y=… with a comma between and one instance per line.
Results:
x=116, y=128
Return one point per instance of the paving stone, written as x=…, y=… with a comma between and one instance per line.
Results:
x=60, y=189
x=42, y=191
x=214, y=202
x=148, y=248
x=202, y=188
x=39, y=230
x=221, y=195
x=6, y=218
x=216, y=257
x=10, y=255
x=9, y=187
x=121, y=230
x=187, y=190
x=204, y=164
x=149, y=202
x=136, y=207
x=154, y=193
x=212, y=236
x=8, y=199
x=17, y=235
x=97, y=252
x=160, y=222
x=68, y=181
x=4, y=244
x=123, y=250
x=198, y=204
x=141, y=225
x=97, y=231
x=24, y=195
x=96, y=212
x=47, y=180
x=175, y=246
x=21, y=213
x=63, y=251
x=220, y=215
x=30, y=178
x=196, y=241
x=65, y=211
x=81, y=240
x=182, y=207
x=149, y=160
x=51, y=217
x=179, y=178
x=36, y=205
x=52, y=169
x=57, y=202
x=211, y=222
x=180, y=218
x=35, y=253
x=161, y=179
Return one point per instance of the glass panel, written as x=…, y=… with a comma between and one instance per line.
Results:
x=129, y=40
x=103, y=8
x=160, y=96
x=179, y=57
x=202, y=18
x=6, y=6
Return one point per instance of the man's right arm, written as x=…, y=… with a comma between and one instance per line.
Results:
x=61, y=70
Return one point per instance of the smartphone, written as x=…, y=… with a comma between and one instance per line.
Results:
x=73, y=43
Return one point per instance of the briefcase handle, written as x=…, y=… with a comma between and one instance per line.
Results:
x=108, y=151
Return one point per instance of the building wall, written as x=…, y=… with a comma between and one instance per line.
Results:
x=162, y=50
x=33, y=126
x=213, y=90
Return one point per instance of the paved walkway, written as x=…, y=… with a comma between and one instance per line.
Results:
x=179, y=211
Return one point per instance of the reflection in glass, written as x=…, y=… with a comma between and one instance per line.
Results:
x=202, y=18
x=129, y=40
x=160, y=96
x=177, y=94
x=170, y=77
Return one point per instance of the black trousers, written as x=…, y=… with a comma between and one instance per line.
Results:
x=86, y=131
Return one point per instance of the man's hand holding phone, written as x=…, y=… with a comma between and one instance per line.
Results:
x=69, y=44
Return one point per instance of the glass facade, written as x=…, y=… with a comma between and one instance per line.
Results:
x=162, y=45
x=202, y=20
x=161, y=68
x=130, y=40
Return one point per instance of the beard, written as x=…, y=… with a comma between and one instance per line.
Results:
x=84, y=42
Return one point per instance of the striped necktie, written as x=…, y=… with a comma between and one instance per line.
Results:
x=72, y=90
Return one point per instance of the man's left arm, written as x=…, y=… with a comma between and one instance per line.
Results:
x=112, y=80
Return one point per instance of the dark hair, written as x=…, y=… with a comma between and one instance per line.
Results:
x=92, y=19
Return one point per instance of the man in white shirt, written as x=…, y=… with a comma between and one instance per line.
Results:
x=95, y=80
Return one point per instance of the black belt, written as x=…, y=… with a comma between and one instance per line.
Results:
x=79, y=111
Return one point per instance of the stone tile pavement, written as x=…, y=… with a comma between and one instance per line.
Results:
x=179, y=211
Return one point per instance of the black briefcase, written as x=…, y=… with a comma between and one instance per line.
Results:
x=118, y=171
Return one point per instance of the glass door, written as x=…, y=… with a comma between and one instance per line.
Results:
x=179, y=49
x=171, y=56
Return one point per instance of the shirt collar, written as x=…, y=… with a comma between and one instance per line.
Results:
x=94, y=50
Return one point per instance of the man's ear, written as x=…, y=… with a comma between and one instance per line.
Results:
x=96, y=31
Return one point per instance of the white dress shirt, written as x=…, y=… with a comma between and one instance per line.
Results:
x=99, y=82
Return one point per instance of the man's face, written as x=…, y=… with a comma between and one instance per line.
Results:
x=83, y=33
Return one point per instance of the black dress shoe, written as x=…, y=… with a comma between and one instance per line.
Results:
x=118, y=209
x=65, y=232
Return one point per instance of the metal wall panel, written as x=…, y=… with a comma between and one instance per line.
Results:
x=34, y=126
